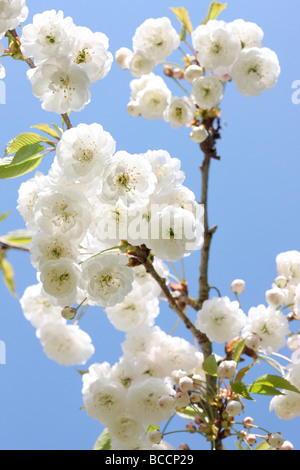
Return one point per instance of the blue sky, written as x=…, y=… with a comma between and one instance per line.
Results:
x=254, y=200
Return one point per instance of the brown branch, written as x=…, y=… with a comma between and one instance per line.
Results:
x=32, y=65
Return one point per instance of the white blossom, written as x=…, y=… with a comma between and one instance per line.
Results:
x=45, y=248
x=50, y=35
x=207, y=91
x=216, y=44
x=129, y=179
x=66, y=344
x=12, y=13
x=255, y=70
x=220, y=319
x=83, y=151
x=90, y=51
x=269, y=326
x=179, y=112
x=156, y=38
x=107, y=279
x=122, y=55
x=29, y=193
x=192, y=72
x=60, y=281
x=151, y=95
x=37, y=309
x=61, y=85
x=250, y=34
x=127, y=429
x=286, y=406
x=144, y=396
x=140, y=64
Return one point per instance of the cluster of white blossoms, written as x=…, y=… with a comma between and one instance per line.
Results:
x=143, y=388
x=223, y=52
x=92, y=200
x=68, y=60
x=12, y=13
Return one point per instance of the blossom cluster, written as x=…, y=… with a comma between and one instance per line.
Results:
x=68, y=59
x=92, y=200
x=223, y=52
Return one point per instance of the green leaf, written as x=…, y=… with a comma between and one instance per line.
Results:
x=187, y=413
x=243, y=372
x=27, y=138
x=26, y=153
x=48, y=130
x=210, y=366
x=240, y=389
x=238, y=350
x=151, y=428
x=261, y=389
x=8, y=276
x=10, y=170
x=215, y=9
x=20, y=237
x=274, y=381
x=3, y=216
x=263, y=446
x=184, y=18
x=82, y=372
x=239, y=446
x=59, y=130
x=104, y=441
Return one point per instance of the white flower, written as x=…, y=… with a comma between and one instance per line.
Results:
x=192, y=72
x=29, y=193
x=220, y=319
x=45, y=248
x=250, y=34
x=255, y=70
x=238, y=286
x=122, y=55
x=2, y=69
x=63, y=212
x=66, y=344
x=179, y=112
x=60, y=281
x=143, y=398
x=37, y=309
x=288, y=265
x=107, y=279
x=95, y=372
x=216, y=44
x=12, y=13
x=269, y=325
x=168, y=173
x=207, y=91
x=90, y=51
x=127, y=429
x=61, y=85
x=151, y=95
x=83, y=151
x=156, y=38
x=175, y=232
x=134, y=311
x=50, y=35
x=105, y=400
x=129, y=179
x=234, y=408
x=199, y=134
x=227, y=370
x=286, y=406
x=297, y=301
x=276, y=297
x=140, y=64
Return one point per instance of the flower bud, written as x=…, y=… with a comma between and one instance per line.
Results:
x=281, y=282
x=167, y=402
x=168, y=71
x=248, y=422
x=178, y=73
x=186, y=384
x=234, y=408
x=155, y=437
x=238, y=286
x=182, y=400
x=287, y=446
x=198, y=134
x=183, y=447
x=293, y=342
x=227, y=370
x=253, y=341
x=192, y=72
x=276, y=440
x=122, y=56
x=177, y=375
x=134, y=109
x=190, y=427
x=251, y=439
x=68, y=313
x=275, y=298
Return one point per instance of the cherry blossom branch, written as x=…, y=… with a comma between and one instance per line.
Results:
x=5, y=245
x=32, y=65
